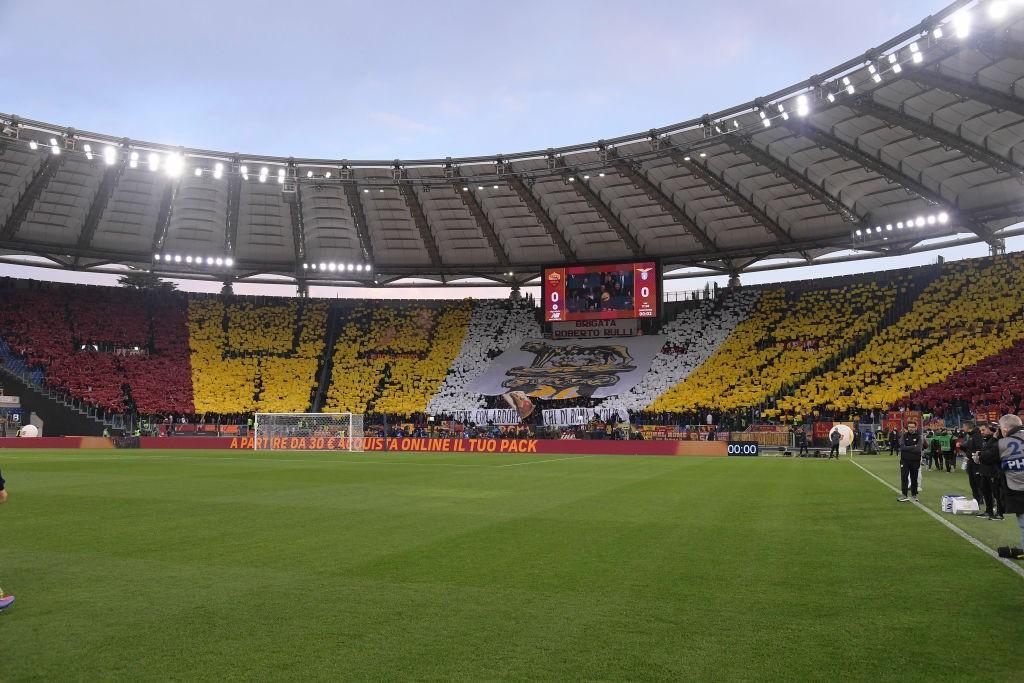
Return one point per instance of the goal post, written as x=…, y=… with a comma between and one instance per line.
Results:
x=308, y=432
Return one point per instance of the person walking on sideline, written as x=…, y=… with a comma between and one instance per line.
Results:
x=911, y=449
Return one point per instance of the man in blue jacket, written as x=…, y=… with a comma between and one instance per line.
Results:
x=1011, y=463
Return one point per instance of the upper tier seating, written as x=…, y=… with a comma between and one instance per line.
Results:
x=49, y=327
x=689, y=340
x=786, y=337
x=393, y=359
x=493, y=327
x=971, y=311
x=996, y=383
x=249, y=357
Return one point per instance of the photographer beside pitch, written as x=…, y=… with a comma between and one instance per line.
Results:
x=1011, y=464
x=7, y=601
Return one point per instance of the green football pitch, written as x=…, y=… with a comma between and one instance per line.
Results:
x=218, y=565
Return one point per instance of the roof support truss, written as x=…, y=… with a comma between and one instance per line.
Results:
x=717, y=181
x=420, y=219
x=35, y=188
x=637, y=176
x=931, y=78
x=897, y=177
x=359, y=218
x=801, y=181
x=598, y=205
x=543, y=217
x=483, y=223
x=924, y=129
x=111, y=176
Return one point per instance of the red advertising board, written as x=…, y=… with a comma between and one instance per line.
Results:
x=601, y=292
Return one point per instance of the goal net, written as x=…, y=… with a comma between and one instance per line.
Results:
x=308, y=432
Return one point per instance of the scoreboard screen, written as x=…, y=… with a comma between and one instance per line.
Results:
x=601, y=292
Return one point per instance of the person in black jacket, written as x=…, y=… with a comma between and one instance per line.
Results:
x=989, y=475
x=970, y=444
x=894, y=441
x=834, y=438
x=911, y=449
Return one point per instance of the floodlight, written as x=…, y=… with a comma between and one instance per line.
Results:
x=830, y=97
x=280, y=176
x=896, y=68
x=859, y=232
x=209, y=260
x=33, y=145
x=931, y=220
x=219, y=261
x=962, y=23
x=920, y=221
x=803, y=106
x=996, y=10
x=154, y=161
x=309, y=174
x=174, y=165
x=198, y=172
x=177, y=258
x=218, y=170
x=918, y=58
x=229, y=262
x=88, y=152
x=943, y=218
x=109, y=155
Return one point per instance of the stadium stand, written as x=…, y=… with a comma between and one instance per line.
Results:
x=493, y=327
x=249, y=356
x=996, y=383
x=969, y=312
x=788, y=335
x=689, y=340
x=392, y=359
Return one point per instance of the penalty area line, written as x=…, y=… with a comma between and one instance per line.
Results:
x=953, y=527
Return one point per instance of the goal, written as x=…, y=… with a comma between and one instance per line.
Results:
x=308, y=432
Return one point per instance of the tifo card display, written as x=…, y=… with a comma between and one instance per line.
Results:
x=601, y=292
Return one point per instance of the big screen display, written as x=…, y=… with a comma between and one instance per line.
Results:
x=601, y=292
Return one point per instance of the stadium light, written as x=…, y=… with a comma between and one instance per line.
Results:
x=305, y=266
x=174, y=165
x=381, y=190
x=943, y=218
x=803, y=106
x=480, y=187
x=931, y=220
x=188, y=259
x=177, y=258
x=495, y=187
x=997, y=10
x=849, y=86
x=937, y=33
x=920, y=221
x=218, y=170
x=600, y=175
x=280, y=176
x=899, y=225
x=350, y=268
x=109, y=155
x=209, y=260
x=314, y=266
x=198, y=172
x=154, y=161
x=368, y=267
x=156, y=257
x=703, y=155
x=859, y=233
x=245, y=172
x=54, y=147
x=785, y=115
x=366, y=191
x=219, y=261
x=229, y=262
x=359, y=267
x=88, y=151
x=830, y=97
x=962, y=23
x=309, y=174
x=264, y=171
x=33, y=145
x=888, y=227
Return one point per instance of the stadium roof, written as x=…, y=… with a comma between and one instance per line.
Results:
x=919, y=138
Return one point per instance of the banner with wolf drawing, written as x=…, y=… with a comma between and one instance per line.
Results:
x=552, y=370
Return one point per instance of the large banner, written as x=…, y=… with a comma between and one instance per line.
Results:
x=573, y=417
x=562, y=369
x=482, y=416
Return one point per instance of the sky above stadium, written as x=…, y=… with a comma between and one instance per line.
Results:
x=416, y=80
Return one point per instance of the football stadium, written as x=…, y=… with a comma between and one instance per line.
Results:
x=575, y=413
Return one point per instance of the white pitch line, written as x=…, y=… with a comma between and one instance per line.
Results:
x=957, y=530
x=534, y=462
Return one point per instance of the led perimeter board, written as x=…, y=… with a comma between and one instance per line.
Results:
x=602, y=291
